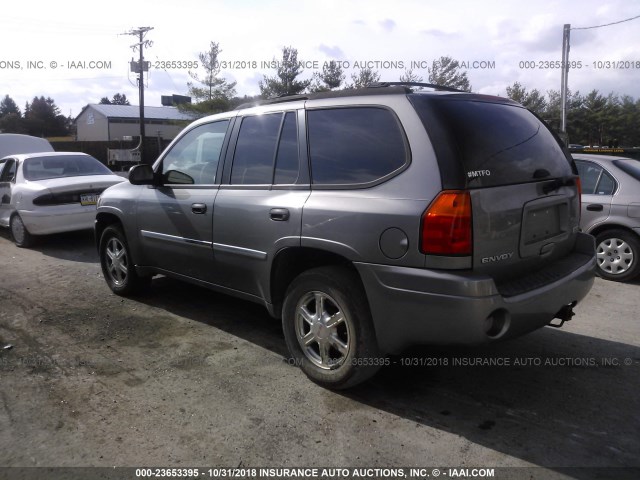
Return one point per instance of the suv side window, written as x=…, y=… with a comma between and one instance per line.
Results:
x=287, y=159
x=255, y=150
x=355, y=145
x=594, y=179
x=194, y=158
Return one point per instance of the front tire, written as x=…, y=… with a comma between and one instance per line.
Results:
x=618, y=255
x=328, y=329
x=19, y=232
x=117, y=265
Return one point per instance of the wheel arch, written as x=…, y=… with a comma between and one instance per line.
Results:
x=103, y=220
x=291, y=262
x=610, y=226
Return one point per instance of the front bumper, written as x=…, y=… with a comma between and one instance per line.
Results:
x=412, y=306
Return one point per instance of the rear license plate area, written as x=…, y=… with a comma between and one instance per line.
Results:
x=88, y=199
x=544, y=221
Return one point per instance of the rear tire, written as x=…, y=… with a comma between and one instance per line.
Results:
x=618, y=255
x=328, y=329
x=19, y=232
x=118, y=267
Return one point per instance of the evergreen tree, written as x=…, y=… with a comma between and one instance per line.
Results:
x=8, y=106
x=447, y=72
x=213, y=93
x=532, y=100
x=42, y=118
x=118, y=99
x=284, y=82
x=11, y=120
x=365, y=78
x=331, y=77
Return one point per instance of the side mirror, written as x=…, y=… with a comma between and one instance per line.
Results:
x=141, y=175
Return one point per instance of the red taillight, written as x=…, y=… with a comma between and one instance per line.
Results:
x=446, y=225
x=579, y=185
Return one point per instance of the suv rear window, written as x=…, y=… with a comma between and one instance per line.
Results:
x=489, y=144
x=356, y=145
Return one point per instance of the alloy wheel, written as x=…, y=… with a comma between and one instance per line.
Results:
x=323, y=330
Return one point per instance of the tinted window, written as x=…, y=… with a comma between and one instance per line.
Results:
x=631, y=167
x=489, y=143
x=354, y=145
x=589, y=175
x=287, y=162
x=42, y=168
x=194, y=158
x=255, y=150
x=594, y=179
x=606, y=185
x=9, y=170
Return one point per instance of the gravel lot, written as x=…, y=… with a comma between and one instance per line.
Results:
x=185, y=377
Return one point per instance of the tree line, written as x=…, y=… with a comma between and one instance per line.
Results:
x=592, y=119
x=41, y=118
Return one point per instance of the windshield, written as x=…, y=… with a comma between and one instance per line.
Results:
x=59, y=166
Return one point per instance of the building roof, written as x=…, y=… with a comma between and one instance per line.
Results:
x=133, y=111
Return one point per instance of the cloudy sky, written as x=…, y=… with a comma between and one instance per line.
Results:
x=75, y=52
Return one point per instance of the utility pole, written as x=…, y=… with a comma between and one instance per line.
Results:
x=139, y=68
x=564, y=87
x=564, y=81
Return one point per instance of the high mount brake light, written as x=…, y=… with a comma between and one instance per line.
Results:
x=447, y=225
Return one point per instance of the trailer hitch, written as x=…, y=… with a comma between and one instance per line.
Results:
x=565, y=314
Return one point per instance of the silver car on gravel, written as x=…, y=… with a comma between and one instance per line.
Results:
x=611, y=212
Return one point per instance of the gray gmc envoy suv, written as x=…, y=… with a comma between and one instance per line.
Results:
x=368, y=220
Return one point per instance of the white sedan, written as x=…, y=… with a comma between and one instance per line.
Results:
x=50, y=192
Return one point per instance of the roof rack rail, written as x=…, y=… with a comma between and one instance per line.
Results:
x=385, y=88
x=415, y=84
x=271, y=100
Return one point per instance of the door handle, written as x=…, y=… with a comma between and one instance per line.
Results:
x=199, y=208
x=279, y=214
x=595, y=207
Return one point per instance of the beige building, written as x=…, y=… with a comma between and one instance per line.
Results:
x=97, y=122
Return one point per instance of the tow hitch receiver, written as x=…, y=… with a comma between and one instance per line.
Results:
x=564, y=314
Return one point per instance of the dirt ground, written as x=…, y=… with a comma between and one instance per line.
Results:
x=185, y=377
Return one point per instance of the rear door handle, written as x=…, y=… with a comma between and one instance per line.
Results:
x=595, y=207
x=199, y=208
x=279, y=214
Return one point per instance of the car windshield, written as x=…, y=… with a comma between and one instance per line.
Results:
x=59, y=166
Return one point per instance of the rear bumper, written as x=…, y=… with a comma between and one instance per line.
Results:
x=57, y=219
x=417, y=306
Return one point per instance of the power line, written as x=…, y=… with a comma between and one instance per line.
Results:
x=606, y=24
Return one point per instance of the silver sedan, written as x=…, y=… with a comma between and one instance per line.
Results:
x=611, y=212
x=50, y=192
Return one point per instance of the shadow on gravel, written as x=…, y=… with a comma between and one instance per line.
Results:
x=243, y=319
x=73, y=246
x=552, y=398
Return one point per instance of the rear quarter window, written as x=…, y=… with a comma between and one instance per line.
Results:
x=490, y=143
x=354, y=145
